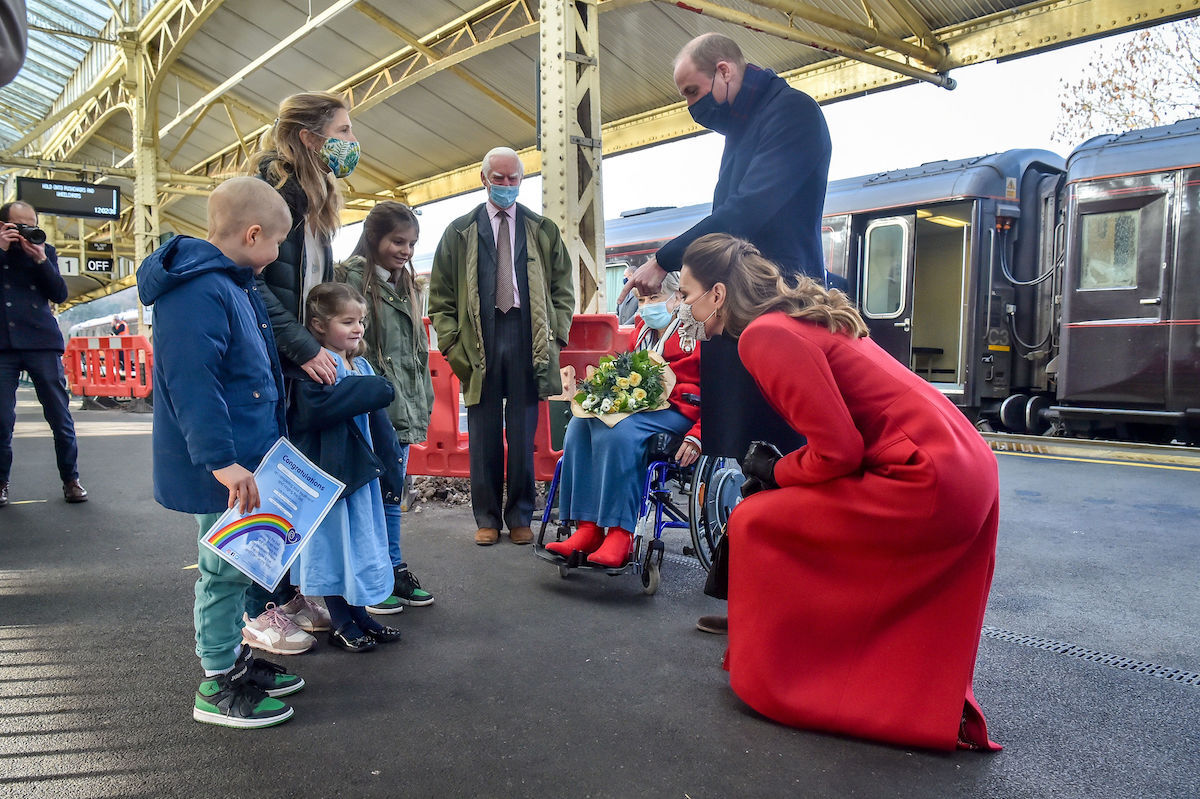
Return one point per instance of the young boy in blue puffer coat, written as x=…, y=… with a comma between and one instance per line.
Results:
x=218, y=408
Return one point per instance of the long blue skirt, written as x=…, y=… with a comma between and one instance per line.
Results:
x=604, y=468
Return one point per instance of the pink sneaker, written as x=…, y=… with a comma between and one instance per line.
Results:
x=308, y=615
x=274, y=631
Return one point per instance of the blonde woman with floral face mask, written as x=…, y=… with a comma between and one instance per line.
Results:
x=308, y=148
x=859, y=564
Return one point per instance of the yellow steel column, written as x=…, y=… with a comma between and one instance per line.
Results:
x=145, y=149
x=570, y=140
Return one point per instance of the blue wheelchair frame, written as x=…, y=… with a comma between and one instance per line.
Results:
x=657, y=503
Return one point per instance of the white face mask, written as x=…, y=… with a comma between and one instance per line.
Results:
x=690, y=326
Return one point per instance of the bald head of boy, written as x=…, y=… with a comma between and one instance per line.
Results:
x=247, y=221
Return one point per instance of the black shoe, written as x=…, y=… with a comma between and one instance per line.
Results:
x=3, y=494
x=359, y=643
x=269, y=678
x=73, y=491
x=383, y=634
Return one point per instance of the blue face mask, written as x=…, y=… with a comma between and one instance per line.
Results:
x=503, y=196
x=656, y=315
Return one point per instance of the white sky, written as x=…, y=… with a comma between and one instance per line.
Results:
x=995, y=107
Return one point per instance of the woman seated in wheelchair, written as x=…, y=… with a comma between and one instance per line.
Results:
x=603, y=468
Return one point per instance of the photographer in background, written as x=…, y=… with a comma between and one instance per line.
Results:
x=30, y=341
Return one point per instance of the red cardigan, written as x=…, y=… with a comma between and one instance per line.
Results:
x=686, y=366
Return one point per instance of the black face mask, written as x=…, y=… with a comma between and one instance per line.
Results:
x=708, y=113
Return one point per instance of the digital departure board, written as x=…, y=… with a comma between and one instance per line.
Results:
x=65, y=198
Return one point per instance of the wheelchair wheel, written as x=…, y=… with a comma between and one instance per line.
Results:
x=650, y=579
x=652, y=567
x=716, y=488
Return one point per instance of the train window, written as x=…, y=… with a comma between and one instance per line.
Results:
x=1109, y=250
x=884, y=274
x=614, y=281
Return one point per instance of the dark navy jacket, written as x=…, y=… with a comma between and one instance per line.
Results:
x=281, y=283
x=218, y=390
x=26, y=291
x=774, y=169
x=321, y=421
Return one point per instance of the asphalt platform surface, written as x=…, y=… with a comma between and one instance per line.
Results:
x=517, y=683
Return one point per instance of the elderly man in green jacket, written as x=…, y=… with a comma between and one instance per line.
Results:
x=501, y=298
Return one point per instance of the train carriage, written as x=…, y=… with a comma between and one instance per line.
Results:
x=1130, y=336
x=925, y=252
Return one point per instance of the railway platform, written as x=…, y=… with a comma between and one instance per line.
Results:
x=517, y=683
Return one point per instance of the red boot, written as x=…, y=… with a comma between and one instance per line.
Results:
x=614, y=551
x=587, y=538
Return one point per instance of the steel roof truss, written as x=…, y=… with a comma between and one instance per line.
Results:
x=710, y=9
x=933, y=57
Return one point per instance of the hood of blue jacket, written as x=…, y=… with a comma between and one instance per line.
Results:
x=181, y=259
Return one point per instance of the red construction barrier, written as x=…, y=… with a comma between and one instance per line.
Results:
x=445, y=451
x=109, y=366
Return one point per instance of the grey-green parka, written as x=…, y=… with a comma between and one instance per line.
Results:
x=403, y=359
x=454, y=301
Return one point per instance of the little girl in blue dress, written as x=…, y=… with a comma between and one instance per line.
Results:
x=343, y=428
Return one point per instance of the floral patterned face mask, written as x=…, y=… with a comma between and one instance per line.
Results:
x=340, y=155
x=690, y=326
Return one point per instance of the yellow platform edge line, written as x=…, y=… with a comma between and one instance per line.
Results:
x=1099, y=460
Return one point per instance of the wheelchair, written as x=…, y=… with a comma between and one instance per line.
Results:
x=711, y=487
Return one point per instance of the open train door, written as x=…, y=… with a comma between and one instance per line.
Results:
x=886, y=283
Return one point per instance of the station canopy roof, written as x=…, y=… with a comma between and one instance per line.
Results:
x=433, y=84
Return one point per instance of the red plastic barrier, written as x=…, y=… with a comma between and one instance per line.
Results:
x=109, y=366
x=445, y=451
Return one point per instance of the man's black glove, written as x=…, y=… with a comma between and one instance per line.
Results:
x=759, y=467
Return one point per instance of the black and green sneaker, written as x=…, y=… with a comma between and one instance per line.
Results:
x=408, y=589
x=232, y=700
x=387, y=607
x=271, y=679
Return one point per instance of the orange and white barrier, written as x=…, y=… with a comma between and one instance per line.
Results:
x=109, y=366
x=445, y=451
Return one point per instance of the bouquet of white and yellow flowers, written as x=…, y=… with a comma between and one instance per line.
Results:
x=624, y=384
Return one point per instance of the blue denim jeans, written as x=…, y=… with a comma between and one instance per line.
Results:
x=391, y=514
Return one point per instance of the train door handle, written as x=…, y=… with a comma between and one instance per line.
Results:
x=1150, y=301
x=906, y=324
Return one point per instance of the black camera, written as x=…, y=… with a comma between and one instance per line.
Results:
x=31, y=233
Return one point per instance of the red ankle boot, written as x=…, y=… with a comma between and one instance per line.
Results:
x=613, y=553
x=587, y=538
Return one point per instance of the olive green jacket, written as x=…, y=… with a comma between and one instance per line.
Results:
x=454, y=301
x=404, y=359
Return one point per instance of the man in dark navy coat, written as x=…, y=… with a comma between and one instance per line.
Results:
x=771, y=191
x=30, y=341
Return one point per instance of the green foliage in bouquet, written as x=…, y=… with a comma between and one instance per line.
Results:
x=624, y=383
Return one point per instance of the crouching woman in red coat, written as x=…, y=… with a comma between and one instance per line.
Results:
x=858, y=579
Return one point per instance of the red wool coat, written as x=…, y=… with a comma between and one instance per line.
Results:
x=857, y=589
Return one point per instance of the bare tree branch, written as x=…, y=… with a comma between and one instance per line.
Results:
x=1151, y=79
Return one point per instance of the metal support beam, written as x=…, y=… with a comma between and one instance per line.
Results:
x=385, y=21
x=570, y=140
x=142, y=107
x=932, y=57
x=308, y=27
x=753, y=23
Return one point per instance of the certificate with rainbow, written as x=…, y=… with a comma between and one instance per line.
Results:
x=296, y=496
